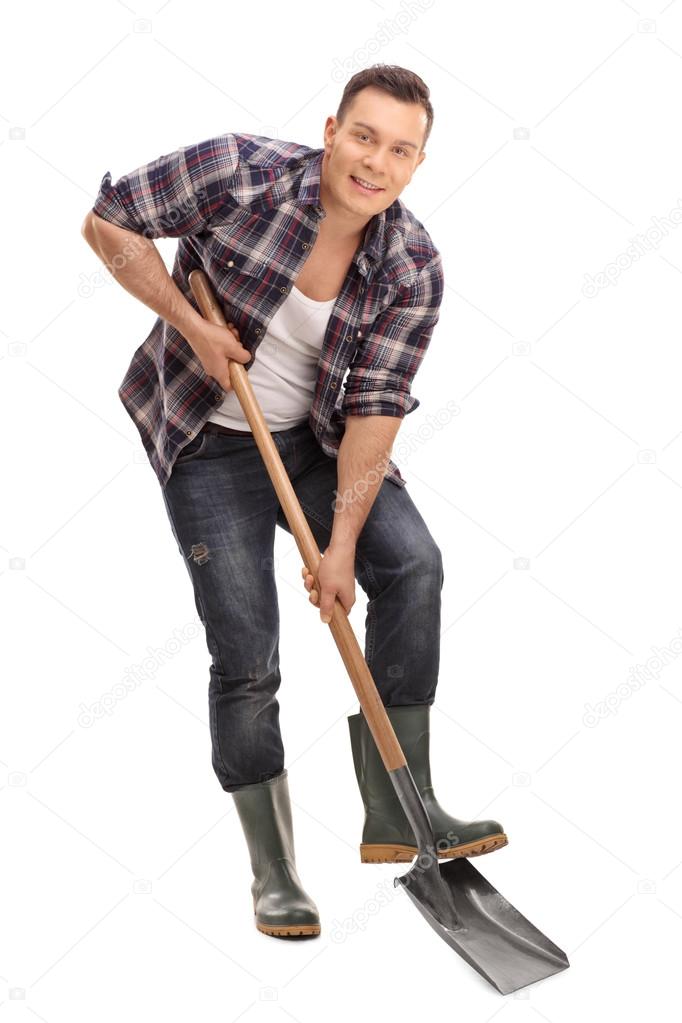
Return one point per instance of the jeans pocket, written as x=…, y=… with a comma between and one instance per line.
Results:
x=193, y=449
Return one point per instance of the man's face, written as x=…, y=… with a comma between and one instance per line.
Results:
x=372, y=143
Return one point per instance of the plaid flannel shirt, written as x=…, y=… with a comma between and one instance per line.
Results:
x=246, y=209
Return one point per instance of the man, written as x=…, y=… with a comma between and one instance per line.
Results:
x=321, y=269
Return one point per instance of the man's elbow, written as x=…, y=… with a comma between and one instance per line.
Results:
x=100, y=234
x=89, y=228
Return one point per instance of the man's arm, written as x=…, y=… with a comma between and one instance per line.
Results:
x=362, y=459
x=174, y=196
x=377, y=398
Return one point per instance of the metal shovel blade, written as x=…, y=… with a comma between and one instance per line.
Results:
x=469, y=913
x=486, y=930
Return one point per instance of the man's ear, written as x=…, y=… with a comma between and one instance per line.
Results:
x=329, y=129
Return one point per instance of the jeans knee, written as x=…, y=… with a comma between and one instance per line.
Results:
x=426, y=562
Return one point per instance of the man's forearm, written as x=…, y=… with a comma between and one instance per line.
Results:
x=136, y=263
x=362, y=459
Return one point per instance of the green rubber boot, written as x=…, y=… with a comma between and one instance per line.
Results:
x=280, y=904
x=387, y=836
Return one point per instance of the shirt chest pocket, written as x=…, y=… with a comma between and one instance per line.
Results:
x=235, y=264
x=239, y=246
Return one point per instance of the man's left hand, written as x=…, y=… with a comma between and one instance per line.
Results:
x=336, y=577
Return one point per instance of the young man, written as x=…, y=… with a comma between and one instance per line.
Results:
x=321, y=269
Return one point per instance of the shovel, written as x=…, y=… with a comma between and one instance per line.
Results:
x=457, y=901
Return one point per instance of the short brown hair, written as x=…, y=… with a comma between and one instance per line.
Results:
x=396, y=81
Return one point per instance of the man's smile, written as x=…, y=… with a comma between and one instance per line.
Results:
x=365, y=186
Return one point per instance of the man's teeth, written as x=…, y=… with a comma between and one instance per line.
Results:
x=367, y=184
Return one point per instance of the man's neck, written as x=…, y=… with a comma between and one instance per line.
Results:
x=334, y=230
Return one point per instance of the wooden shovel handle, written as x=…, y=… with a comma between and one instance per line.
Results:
x=342, y=631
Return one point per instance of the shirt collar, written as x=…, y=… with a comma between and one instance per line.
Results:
x=309, y=194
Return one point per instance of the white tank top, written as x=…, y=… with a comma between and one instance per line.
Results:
x=284, y=369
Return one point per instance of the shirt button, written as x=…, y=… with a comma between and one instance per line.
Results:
x=257, y=330
x=231, y=263
x=349, y=337
x=283, y=290
x=188, y=432
x=333, y=387
x=305, y=245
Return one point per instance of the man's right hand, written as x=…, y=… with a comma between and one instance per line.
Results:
x=214, y=346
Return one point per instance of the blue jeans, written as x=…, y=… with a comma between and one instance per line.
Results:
x=223, y=511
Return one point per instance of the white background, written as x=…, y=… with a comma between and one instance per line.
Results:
x=555, y=495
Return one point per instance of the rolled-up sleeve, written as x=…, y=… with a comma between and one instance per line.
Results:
x=380, y=377
x=175, y=195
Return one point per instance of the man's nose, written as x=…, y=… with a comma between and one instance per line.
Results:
x=376, y=163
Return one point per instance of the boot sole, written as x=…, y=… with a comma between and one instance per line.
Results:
x=294, y=931
x=395, y=853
